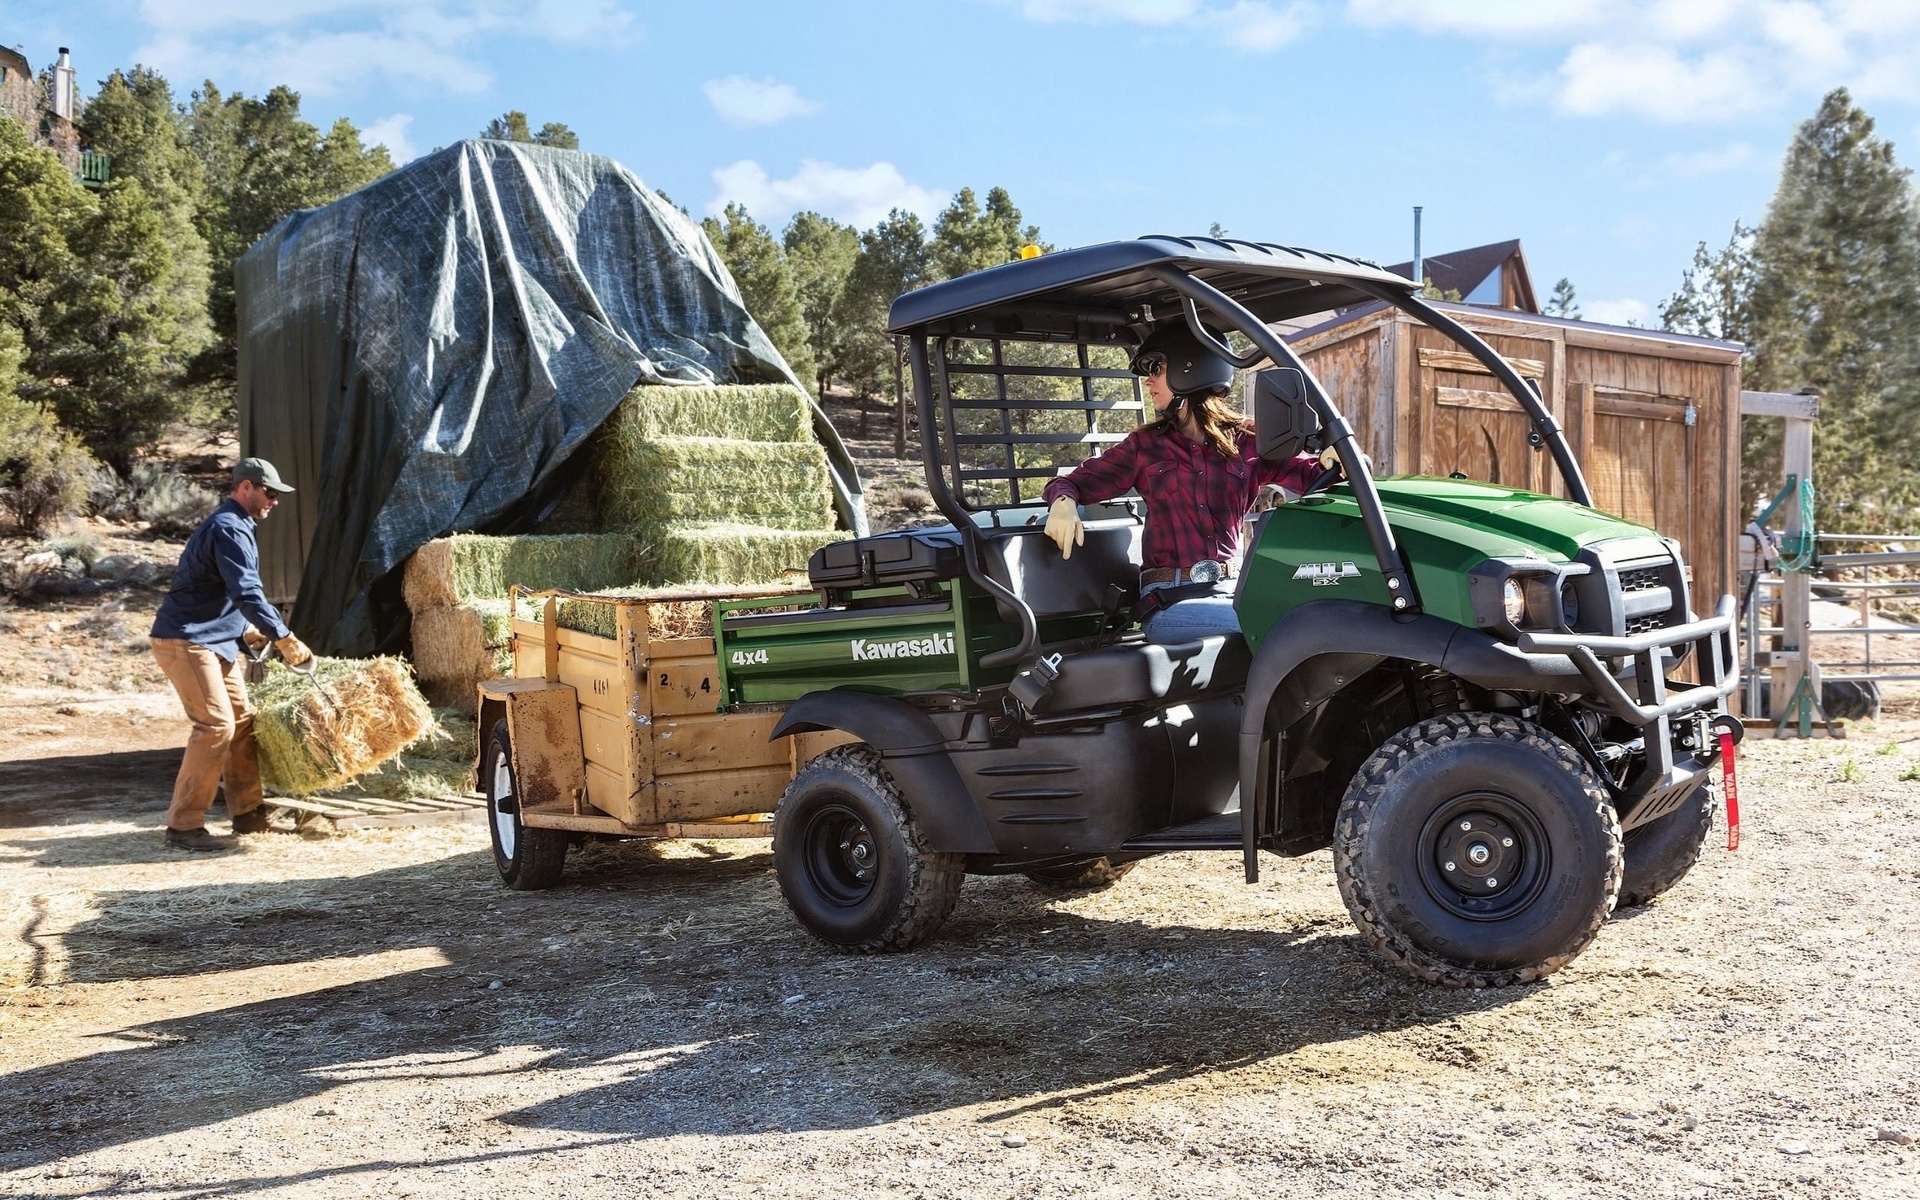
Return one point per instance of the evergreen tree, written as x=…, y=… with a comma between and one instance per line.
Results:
x=1714, y=291
x=894, y=258
x=968, y=238
x=1562, y=302
x=820, y=253
x=513, y=127
x=1836, y=305
x=759, y=267
x=262, y=162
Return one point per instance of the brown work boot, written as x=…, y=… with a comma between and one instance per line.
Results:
x=254, y=820
x=199, y=839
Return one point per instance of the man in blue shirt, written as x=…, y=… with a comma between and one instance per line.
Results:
x=197, y=637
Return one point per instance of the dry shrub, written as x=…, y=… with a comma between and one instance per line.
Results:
x=44, y=470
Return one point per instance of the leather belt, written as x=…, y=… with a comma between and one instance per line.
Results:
x=1184, y=574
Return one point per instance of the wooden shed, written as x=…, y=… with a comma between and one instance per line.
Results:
x=1653, y=417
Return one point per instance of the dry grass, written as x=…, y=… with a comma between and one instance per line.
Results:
x=466, y=566
x=465, y=643
x=351, y=715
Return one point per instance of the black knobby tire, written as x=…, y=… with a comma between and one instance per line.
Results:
x=853, y=863
x=1477, y=850
x=1660, y=853
x=529, y=860
x=1082, y=874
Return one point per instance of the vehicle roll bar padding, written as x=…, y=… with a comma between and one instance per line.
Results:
x=1334, y=427
x=913, y=752
x=1550, y=431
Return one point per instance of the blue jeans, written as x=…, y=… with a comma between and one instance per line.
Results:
x=1188, y=620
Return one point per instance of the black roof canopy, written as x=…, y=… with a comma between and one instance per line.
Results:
x=1064, y=293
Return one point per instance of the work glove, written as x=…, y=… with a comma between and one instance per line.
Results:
x=1063, y=525
x=254, y=640
x=293, y=651
x=1330, y=461
x=1273, y=495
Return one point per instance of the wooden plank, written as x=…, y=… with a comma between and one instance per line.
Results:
x=603, y=739
x=723, y=740
x=600, y=680
x=721, y=793
x=573, y=822
x=412, y=820
x=1459, y=360
x=1455, y=397
x=612, y=792
x=682, y=686
x=1664, y=408
x=1780, y=404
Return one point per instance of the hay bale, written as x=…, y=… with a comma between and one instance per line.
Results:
x=468, y=566
x=435, y=767
x=464, y=643
x=351, y=715
x=675, y=611
x=725, y=552
x=781, y=485
x=761, y=412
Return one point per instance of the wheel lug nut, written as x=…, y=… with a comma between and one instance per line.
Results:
x=1492, y=882
x=1449, y=866
x=1507, y=842
x=1466, y=825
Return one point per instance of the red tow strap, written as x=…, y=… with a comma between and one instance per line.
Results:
x=1730, y=789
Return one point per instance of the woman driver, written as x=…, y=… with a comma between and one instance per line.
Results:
x=1197, y=468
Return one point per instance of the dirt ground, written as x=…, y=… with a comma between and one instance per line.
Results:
x=372, y=1013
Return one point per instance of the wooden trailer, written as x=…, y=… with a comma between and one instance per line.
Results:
x=622, y=735
x=1653, y=417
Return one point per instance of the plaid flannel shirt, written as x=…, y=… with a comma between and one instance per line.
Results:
x=1197, y=500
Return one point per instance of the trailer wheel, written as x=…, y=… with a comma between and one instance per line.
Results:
x=529, y=860
x=1477, y=850
x=1081, y=874
x=1660, y=853
x=853, y=863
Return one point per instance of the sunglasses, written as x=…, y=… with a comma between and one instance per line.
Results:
x=1150, y=364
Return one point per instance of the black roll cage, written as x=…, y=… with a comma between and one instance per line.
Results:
x=1335, y=429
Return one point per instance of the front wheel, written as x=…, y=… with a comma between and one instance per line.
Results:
x=529, y=860
x=1477, y=850
x=853, y=864
x=1660, y=853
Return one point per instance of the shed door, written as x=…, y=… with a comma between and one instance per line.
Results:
x=1640, y=461
x=1473, y=425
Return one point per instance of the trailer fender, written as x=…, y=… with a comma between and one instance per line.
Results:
x=913, y=752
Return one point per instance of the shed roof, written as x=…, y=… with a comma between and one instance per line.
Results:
x=1464, y=270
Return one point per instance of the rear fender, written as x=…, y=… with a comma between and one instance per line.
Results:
x=914, y=753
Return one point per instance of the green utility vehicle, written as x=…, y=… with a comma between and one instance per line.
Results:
x=1473, y=694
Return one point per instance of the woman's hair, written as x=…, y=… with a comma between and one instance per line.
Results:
x=1220, y=426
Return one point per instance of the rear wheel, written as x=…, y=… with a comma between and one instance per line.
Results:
x=853, y=864
x=1477, y=850
x=1660, y=853
x=1081, y=874
x=529, y=860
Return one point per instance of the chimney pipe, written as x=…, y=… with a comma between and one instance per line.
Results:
x=1419, y=264
x=63, y=86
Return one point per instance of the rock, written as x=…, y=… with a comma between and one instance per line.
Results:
x=1014, y=1141
x=1794, y=1149
x=1899, y=1137
x=495, y=985
x=125, y=568
x=49, y=573
x=1690, y=1122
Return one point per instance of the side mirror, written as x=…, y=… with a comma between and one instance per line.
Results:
x=1283, y=421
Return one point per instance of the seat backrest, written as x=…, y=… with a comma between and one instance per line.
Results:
x=1025, y=561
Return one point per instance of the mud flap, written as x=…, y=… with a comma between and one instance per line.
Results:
x=543, y=726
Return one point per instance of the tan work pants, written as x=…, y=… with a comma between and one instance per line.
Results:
x=214, y=693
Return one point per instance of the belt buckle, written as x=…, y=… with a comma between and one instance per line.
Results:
x=1205, y=571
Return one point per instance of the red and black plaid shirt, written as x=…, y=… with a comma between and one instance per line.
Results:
x=1196, y=499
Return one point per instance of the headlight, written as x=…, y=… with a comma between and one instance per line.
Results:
x=1513, y=599
x=1569, y=606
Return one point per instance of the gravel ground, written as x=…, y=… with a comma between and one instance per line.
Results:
x=371, y=1013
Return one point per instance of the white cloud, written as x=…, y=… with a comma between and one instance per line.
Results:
x=859, y=196
x=1256, y=26
x=1479, y=18
x=322, y=47
x=391, y=132
x=743, y=101
x=1261, y=28
x=1615, y=312
x=1598, y=78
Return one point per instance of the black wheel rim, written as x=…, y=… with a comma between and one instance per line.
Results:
x=1483, y=856
x=841, y=854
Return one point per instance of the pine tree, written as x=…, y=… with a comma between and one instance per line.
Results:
x=1836, y=305
x=820, y=254
x=759, y=267
x=512, y=127
x=967, y=238
x=1713, y=300
x=1562, y=303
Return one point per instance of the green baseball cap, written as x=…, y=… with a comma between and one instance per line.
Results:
x=261, y=472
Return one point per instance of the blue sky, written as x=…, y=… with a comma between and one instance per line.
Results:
x=1609, y=135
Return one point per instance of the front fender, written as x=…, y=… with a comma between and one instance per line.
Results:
x=914, y=753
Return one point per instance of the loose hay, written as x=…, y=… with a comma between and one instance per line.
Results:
x=764, y=412
x=467, y=566
x=676, y=611
x=467, y=642
x=348, y=717
x=722, y=553
x=435, y=767
x=782, y=485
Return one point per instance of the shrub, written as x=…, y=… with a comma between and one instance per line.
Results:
x=169, y=502
x=80, y=546
x=43, y=469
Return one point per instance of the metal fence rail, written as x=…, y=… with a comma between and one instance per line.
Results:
x=1764, y=599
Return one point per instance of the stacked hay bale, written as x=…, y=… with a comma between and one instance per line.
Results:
x=684, y=486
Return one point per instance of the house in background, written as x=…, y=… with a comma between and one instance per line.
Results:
x=48, y=116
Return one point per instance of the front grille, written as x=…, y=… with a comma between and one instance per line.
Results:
x=1646, y=624
x=1641, y=579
